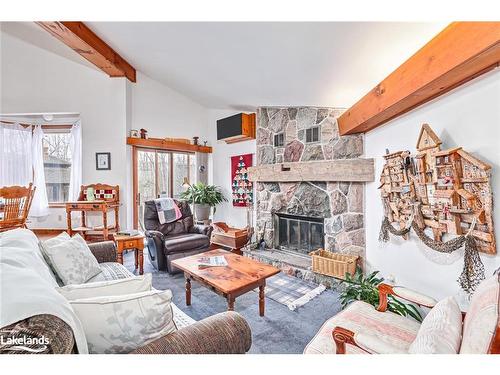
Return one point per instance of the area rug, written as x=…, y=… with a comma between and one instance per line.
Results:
x=291, y=291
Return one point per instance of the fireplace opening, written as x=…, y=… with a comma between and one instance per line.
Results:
x=298, y=233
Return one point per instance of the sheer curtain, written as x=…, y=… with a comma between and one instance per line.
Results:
x=76, y=162
x=40, y=204
x=15, y=155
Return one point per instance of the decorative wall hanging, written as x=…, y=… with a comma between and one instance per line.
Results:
x=241, y=186
x=448, y=191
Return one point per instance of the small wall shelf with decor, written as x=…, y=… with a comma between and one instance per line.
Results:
x=162, y=144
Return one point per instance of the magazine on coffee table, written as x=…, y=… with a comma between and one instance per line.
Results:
x=216, y=261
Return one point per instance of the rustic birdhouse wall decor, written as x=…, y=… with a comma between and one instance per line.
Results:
x=448, y=191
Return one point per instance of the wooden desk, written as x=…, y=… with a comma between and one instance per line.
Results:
x=240, y=276
x=135, y=243
x=105, y=199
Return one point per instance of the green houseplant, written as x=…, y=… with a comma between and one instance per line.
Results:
x=364, y=288
x=204, y=198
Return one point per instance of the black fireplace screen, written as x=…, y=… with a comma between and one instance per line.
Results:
x=298, y=233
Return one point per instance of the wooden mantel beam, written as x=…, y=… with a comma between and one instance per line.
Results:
x=459, y=53
x=345, y=170
x=83, y=41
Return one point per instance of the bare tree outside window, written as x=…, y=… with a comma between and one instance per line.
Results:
x=162, y=173
x=57, y=165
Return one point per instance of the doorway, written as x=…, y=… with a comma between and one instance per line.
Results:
x=159, y=173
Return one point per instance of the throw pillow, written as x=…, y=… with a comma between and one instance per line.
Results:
x=60, y=238
x=71, y=259
x=118, y=287
x=441, y=330
x=121, y=324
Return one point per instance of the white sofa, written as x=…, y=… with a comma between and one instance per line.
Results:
x=30, y=305
x=363, y=329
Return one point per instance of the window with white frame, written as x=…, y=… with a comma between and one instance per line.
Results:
x=57, y=164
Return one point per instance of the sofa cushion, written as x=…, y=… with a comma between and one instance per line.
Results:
x=117, y=287
x=111, y=271
x=115, y=271
x=441, y=330
x=121, y=324
x=71, y=258
x=373, y=344
x=395, y=330
x=183, y=242
x=482, y=317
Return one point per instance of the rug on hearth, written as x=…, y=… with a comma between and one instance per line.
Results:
x=291, y=291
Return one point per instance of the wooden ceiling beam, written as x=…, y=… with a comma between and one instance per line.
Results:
x=459, y=53
x=83, y=41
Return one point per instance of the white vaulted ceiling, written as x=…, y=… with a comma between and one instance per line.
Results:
x=245, y=65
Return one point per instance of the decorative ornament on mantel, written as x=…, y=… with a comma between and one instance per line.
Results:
x=445, y=191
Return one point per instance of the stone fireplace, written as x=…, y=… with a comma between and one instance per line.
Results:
x=297, y=217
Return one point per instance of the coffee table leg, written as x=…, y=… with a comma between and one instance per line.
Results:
x=188, y=291
x=261, y=300
x=230, y=303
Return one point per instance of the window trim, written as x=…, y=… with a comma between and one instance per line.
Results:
x=311, y=129
x=57, y=129
x=276, y=137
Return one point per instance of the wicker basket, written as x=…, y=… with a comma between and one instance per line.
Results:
x=333, y=264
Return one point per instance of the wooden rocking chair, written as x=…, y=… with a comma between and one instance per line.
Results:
x=15, y=203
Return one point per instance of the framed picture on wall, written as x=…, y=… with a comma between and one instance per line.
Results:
x=102, y=161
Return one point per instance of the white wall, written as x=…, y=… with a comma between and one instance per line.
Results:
x=467, y=117
x=221, y=169
x=36, y=80
x=164, y=112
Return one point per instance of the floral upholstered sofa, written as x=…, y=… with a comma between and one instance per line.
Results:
x=21, y=259
x=362, y=329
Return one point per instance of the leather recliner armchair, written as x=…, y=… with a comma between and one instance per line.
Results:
x=178, y=239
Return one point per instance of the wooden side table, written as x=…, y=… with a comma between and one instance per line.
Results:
x=135, y=243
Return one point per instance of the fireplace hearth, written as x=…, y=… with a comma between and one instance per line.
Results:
x=299, y=234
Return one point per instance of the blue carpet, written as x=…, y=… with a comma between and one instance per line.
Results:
x=280, y=331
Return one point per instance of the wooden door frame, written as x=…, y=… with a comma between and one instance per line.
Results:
x=135, y=182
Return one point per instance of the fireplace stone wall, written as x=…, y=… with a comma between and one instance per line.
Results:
x=339, y=203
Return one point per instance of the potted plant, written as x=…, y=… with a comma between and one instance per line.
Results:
x=203, y=198
x=364, y=288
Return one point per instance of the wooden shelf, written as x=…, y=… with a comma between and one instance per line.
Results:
x=161, y=144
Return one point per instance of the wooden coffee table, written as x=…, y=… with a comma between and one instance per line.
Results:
x=240, y=276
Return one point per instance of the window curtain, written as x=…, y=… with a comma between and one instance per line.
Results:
x=15, y=155
x=40, y=203
x=76, y=162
